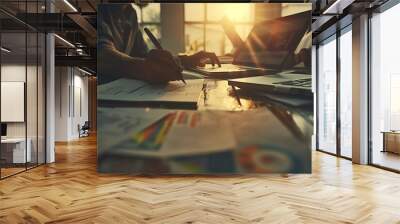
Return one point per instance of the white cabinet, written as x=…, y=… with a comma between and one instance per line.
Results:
x=17, y=148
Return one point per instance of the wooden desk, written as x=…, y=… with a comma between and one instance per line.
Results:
x=391, y=141
x=218, y=95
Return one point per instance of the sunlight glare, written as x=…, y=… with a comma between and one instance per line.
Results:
x=238, y=12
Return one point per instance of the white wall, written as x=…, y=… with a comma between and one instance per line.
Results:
x=80, y=112
x=62, y=82
x=82, y=82
x=16, y=72
x=70, y=109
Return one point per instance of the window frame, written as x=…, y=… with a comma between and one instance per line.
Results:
x=332, y=37
x=380, y=9
x=206, y=22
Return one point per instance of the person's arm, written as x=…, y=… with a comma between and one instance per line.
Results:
x=153, y=66
x=140, y=48
x=157, y=67
x=118, y=64
x=198, y=59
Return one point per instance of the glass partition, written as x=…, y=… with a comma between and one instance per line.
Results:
x=14, y=153
x=22, y=90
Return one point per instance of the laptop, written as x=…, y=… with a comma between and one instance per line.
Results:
x=266, y=49
x=288, y=83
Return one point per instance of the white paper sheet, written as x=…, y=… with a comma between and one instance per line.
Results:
x=135, y=90
x=199, y=133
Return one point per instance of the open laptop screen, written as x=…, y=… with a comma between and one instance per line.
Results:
x=271, y=43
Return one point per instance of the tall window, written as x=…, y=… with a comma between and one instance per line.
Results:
x=385, y=89
x=203, y=30
x=346, y=92
x=327, y=96
x=149, y=16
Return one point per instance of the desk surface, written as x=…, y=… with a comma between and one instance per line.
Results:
x=219, y=96
x=390, y=132
x=13, y=140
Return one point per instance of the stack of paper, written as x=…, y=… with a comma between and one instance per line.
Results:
x=134, y=91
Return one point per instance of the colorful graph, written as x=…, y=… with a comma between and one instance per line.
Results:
x=153, y=136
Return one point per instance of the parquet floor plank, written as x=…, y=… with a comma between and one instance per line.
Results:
x=71, y=191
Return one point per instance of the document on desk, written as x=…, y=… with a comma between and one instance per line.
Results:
x=198, y=133
x=118, y=124
x=184, y=141
x=169, y=133
x=130, y=90
x=163, y=133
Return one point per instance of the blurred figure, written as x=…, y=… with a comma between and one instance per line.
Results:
x=302, y=54
x=122, y=52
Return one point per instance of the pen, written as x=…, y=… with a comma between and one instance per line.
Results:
x=156, y=43
x=236, y=95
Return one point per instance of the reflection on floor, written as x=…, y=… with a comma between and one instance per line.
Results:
x=71, y=191
x=346, y=152
x=387, y=159
x=10, y=170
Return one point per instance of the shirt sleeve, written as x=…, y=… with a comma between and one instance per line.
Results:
x=104, y=35
x=140, y=48
x=305, y=42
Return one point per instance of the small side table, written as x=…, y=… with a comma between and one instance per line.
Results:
x=391, y=141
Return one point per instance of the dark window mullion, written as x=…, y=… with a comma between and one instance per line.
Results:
x=316, y=97
x=37, y=90
x=369, y=91
x=26, y=87
x=338, y=93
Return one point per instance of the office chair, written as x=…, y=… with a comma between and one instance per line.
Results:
x=84, y=130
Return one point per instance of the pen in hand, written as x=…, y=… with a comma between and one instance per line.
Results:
x=156, y=43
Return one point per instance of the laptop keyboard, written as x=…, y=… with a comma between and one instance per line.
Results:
x=298, y=83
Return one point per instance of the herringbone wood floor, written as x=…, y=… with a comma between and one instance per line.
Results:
x=71, y=191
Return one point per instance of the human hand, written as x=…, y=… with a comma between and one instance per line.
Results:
x=199, y=58
x=303, y=56
x=160, y=66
